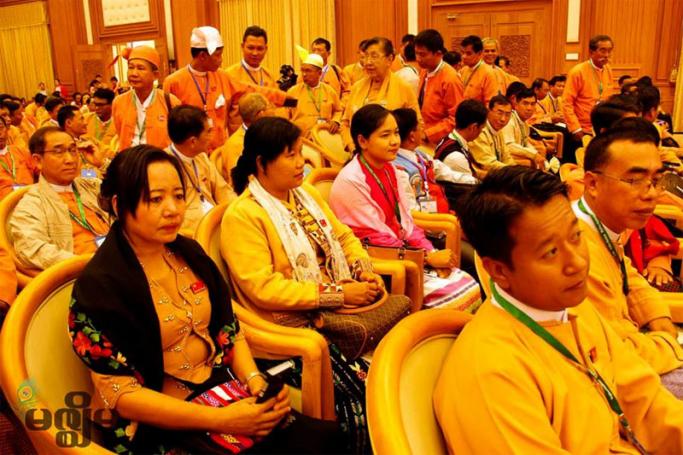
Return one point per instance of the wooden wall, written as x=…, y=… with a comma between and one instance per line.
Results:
x=646, y=33
x=357, y=20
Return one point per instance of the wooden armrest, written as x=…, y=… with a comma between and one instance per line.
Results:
x=452, y=231
x=670, y=212
x=396, y=270
x=675, y=301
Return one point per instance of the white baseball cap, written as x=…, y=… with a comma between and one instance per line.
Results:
x=313, y=59
x=206, y=38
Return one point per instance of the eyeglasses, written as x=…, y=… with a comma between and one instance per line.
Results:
x=641, y=185
x=60, y=151
x=374, y=57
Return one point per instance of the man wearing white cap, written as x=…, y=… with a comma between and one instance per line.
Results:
x=318, y=103
x=203, y=84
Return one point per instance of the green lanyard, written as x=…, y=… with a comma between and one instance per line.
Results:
x=143, y=126
x=562, y=349
x=12, y=172
x=82, y=220
x=318, y=106
x=397, y=211
x=609, y=245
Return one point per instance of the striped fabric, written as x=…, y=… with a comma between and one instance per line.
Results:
x=221, y=396
x=459, y=291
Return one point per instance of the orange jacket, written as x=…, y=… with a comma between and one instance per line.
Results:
x=125, y=117
x=442, y=94
x=479, y=83
x=585, y=87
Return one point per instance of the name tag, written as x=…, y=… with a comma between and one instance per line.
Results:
x=206, y=206
x=88, y=173
x=220, y=101
x=197, y=286
x=321, y=121
x=99, y=240
x=210, y=121
x=427, y=205
x=16, y=186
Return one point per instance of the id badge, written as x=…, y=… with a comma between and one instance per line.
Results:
x=206, y=206
x=16, y=186
x=427, y=205
x=321, y=121
x=99, y=240
x=220, y=102
x=210, y=121
x=88, y=173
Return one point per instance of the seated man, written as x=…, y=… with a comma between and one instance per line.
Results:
x=52, y=106
x=488, y=150
x=516, y=133
x=252, y=107
x=188, y=128
x=59, y=216
x=540, y=371
x=317, y=102
x=669, y=150
x=16, y=166
x=418, y=172
x=71, y=121
x=624, y=162
x=453, y=150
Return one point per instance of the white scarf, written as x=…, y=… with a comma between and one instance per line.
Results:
x=300, y=252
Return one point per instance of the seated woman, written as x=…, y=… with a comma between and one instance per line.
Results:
x=151, y=317
x=366, y=196
x=290, y=259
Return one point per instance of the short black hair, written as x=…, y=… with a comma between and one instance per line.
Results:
x=468, y=112
x=645, y=81
x=36, y=144
x=195, y=51
x=265, y=140
x=39, y=98
x=593, y=43
x=184, y=122
x=474, y=41
x=634, y=129
x=409, y=52
x=501, y=58
x=324, y=42
x=538, y=83
x=361, y=44
x=66, y=113
x=489, y=210
x=255, y=30
x=514, y=89
x=408, y=38
x=406, y=119
x=366, y=120
x=127, y=179
x=385, y=43
x=105, y=94
x=95, y=82
x=623, y=78
x=452, y=57
x=526, y=93
x=113, y=79
x=498, y=99
x=648, y=98
x=555, y=79
x=430, y=39
x=52, y=102
x=11, y=105
x=604, y=115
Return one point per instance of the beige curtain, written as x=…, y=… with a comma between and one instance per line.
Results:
x=25, y=50
x=288, y=22
x=678, y=99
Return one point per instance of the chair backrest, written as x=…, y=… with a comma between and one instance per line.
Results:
x=332, y=145
x=484, y=277
x=400, y=385
x=217, y=159
x=39, y=366
x=580, y=155
x=322, y=180
x=208, y=235
x=313, y=155
x=572, y=175
x=7, y=206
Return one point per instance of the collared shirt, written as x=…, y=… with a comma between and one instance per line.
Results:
x=61, y=188
x=249, y=67
x=536, y=314
x=195, y=72
x=613, y=236
x=141, y=109
x=458, y=161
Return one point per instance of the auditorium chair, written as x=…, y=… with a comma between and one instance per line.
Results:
x=400, y=385
x=313, y=155
x=331, y=146
x=7, y=206
x=217, y=159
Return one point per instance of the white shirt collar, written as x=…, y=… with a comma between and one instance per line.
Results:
x=195, y=72
x=4, y=151
x=245, y=127
x=534, y=313
x=145, y=104
x=613, y=236
x=436, y=70
x=250, y=68
x=61, y=188
x=461, y=140
x=53, y=122
x=179, y=154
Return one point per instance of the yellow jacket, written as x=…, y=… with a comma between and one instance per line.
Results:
x=628, y=315
x=313, y=105
x=505, y=390
x=393, y=94
x=259, y=268
x=231, y=151
x=488, y=150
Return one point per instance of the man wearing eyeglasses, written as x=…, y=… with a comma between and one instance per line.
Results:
x=59, y=216
x=623, y=171
x=488, y=149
